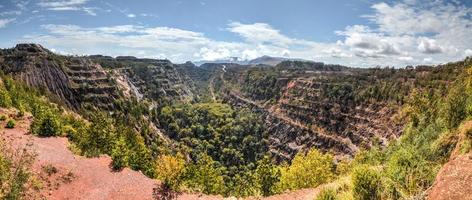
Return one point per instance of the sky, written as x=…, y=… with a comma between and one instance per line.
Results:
x=358, y=33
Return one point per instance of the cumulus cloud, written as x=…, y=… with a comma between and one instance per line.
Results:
x=400, y=33
x=429, y=46
x=409, y=31
x=260, y=33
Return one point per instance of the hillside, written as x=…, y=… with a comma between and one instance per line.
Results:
x=234, y=130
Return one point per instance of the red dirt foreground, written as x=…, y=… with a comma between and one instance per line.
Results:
x=65, y=175
x=454, y=180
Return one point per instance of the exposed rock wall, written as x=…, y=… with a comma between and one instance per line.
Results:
x=37, y=67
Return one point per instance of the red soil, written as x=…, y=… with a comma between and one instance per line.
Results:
x=454, y=180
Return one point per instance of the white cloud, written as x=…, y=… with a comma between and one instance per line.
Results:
x=259, y=33
x=131, y=15
x=468, y=52
x=400, y=34
x=58, y=4
x=11, y=12
x=67, y=5
x=5, y=22
x=429, y=46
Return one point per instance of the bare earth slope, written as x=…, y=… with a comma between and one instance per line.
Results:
x=92, y=177
x=454, y=180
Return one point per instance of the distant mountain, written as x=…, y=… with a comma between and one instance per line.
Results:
x=263, y=60
x=267, y=60
x=235, y=60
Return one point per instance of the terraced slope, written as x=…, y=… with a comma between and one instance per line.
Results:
x=331, y=107
x=157, y=80
x=91, y=83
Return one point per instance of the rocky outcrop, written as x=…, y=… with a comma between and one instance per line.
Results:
x=38, y=67
x=76, y=81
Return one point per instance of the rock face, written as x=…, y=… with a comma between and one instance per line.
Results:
x=95, y=81
x=39, y=68
x=453, y=180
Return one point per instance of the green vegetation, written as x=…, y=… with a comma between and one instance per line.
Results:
x=217, y=149
x=231, y=141
x=10, y=124
x=366, y=183
x=326, y=194
x=15, y=172
x=262, y=85
x=307, y=171
x=46, y=122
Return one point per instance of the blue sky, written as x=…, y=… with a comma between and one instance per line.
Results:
x=352, y=32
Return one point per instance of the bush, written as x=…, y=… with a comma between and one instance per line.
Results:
x=3, y=117
x=307, y=171
x=410, y=171
x=326, y=194
x=46, y=124
x=366, y=184
x=15, y=172
x=170, y=170
x=203, y=176
x=5, y=99
x=268, y=176
x=120, y=154
x=10, y=124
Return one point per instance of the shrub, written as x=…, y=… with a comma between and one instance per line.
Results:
x=307, y=171
x=326, y=194
x=10, y=124
x=268, y=176
x=169, y=170
x=5, y=99
x=3, y=117
x=366, y=183
x=120, y=154
x=410, y=171
x=15, y=172
x=46, y=124
x=203, y=176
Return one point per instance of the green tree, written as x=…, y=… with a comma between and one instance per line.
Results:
x=268, y=176
x=170, y=170
x=120, y=154
x=46, y=123
x=307, y=170
x=203, y=176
